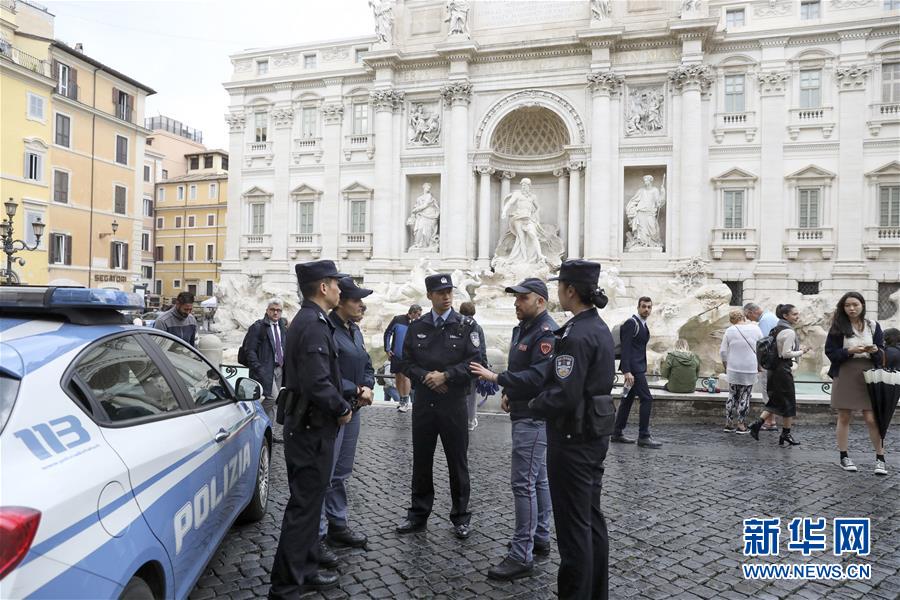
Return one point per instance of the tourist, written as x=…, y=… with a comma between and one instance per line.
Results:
x=393, y=347
x=892, y=348
x=681, y=368
x=738, y=353
x=467, y=309
x=780, y=381
x=853, y=345
x=765, y=320
x=264, y=348
x=179, y=320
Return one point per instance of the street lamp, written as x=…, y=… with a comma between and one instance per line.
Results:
x=11, y=246
x=115, y=228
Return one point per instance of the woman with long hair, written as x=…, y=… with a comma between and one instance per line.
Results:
x=854, y=344
x=780, y=380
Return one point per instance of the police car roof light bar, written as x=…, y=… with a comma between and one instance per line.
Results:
x=37, y=297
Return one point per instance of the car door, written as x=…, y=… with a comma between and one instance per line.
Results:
x=231, y=423
x=170, y=454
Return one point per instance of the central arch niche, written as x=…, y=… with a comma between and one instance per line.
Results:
x=530, y=132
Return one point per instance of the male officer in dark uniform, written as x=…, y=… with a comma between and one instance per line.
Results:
x=437, y=351
x=312, y=373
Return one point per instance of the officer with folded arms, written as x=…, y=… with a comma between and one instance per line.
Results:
x=313, y=409
x=577, y=404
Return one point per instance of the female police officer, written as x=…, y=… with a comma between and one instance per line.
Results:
x=579, y=411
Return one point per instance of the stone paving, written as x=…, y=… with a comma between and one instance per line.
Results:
x=675, y=518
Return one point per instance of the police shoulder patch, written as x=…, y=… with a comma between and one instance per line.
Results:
x=475, y=340
x=565, y=364
x=546, y=347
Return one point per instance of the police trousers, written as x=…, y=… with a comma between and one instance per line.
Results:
x=575, y=470
x=445, y=418
x=334, y=510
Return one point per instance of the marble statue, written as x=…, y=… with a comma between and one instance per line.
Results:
x=690, y=6
x=642, y=212
x=458, y=17
x=525, y=241
x=644, y=111
x=384, y=19
x=425, y=127
x=600, y=10
x=424, y=220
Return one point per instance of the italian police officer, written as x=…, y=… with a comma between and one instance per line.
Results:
x=437, y=351
x=317, y=409
x=578, y=407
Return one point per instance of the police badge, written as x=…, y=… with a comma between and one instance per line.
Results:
x=564, y=365
x=475, y=341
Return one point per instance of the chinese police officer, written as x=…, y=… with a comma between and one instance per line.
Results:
x=313, y=377
x=437, y=351
x=577, y=404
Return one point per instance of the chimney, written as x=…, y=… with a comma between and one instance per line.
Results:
x=79, y=47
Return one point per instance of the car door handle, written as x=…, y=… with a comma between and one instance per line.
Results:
x=222, y=436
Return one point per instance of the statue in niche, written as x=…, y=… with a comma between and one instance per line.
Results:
x=458, y=17
x=690, y=6
x=645, y=111
x=642, y=212
x=600, y=10
x=425, y=127
x=424, y=220
x=526, y=241
x=384, y=19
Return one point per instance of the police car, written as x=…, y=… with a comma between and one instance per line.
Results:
x=124, y=455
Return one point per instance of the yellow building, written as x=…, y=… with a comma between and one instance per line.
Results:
x=190, y=226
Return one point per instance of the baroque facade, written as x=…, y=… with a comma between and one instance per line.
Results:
x=761, y=136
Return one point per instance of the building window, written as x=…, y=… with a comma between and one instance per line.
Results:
x=889, y=206
x=176, y=284
x=811, y=88
x=145, y=241
x=808, y=288
x=63, y=130
x=737, y=292
x=165, y=174
x=121, y=150
x=886, y=308
x=891, y=4
x=178, y=221
x=30, y=217
x=360, y=118
x=262, y=67
x=308, y=122
x=36, y=106
x=209, y=287
x=734, y=209
x=257, y=218
x=192, y=221
x=358, y=54
x=148, y=207
x=160, y=223
x=180, y=190
x=358, y=216
x=192, y=288
x=261, y=121
x=120, y=206
x=193, y=193
x=34, y=166
x=890, y=82
x=61, y=186
x=147, y=173
x=147, y=272
x=195, y=163
x=211, y=220
x=63, y=79
x=224, y=163
x=213, y=191
x=177, y=253
x=60, y=249
x=306, y=212
x=309, y=61
x=118, y=255
x=161, y=194
x=208, y=161
x=160, y=254
x=157, y=287
x=124, y=105
x=810, y=9
x=809, y=208
x=190, y=253
x=210, y=252
x=734, y=93
x=734, y=18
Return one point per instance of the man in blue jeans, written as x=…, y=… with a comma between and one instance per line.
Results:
x=530, y=353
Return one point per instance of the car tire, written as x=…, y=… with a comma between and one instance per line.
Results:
x=137, y=589
x=256, y=510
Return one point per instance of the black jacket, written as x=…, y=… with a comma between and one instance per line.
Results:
x=634, y=337
x=530, y=356
x=583, y=369
x=838, y=355
x=390, y=339
x=449, y=349
x=260, y=345
x=311, y=364
x=893, y=357
x=356, y=365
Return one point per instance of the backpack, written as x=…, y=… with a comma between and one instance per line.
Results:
x=242, y=351
x=617, y=336
x=767, y=349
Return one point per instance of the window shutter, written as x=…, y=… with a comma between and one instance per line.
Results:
x=115, y=97
x=73, y=83
x=27, y=163
x=53, y=257
x=68, y=239
x=112, y=255
x=125, y=256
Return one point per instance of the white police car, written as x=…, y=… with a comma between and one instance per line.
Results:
x=124, y=455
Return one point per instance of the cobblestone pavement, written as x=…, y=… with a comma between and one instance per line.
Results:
x=674, y=518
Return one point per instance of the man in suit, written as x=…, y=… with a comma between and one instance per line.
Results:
x=634, y=335
x=264, y=344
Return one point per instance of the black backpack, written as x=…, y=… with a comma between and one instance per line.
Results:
x=767, y=349
x=242, y=351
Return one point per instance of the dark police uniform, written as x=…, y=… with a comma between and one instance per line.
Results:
x=312, y=370
x=448, y=348
x=580, y=413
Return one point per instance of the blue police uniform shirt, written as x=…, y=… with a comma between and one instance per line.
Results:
x=444, y=316
x=354, y=360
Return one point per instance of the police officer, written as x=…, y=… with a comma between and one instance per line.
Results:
x=437, y=351
x=577, y=404
x=530, y=357
x=313, y=374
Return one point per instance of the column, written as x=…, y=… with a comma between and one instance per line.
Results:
x=329, y=208
x=853, y=110
x=773, y=216
x=282, y=119
x=598, y=234
x=456, y=94
x=574, y=229
x=234, y=227
x=484, y=211
x=505, y=178
x=384, y=102
x=562, y=201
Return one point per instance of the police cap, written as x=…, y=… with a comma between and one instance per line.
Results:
x=438, y=281
x=528, y=286
x=578, y=271
x=351, y=291
x=316, y=270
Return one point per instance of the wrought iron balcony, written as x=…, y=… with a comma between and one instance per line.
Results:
x=743, y=240
x=880, y=238
x=809, y=238
x=23, y=59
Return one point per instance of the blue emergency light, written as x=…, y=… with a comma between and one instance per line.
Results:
x=38, y=297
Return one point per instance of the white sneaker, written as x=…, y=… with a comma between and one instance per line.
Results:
x=880, y=467
x=404, y=407
x=847, y=465
x=474, y=423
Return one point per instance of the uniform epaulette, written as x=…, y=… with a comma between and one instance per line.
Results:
x=467, y=321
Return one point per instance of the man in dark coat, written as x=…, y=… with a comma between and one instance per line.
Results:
x=264, y=345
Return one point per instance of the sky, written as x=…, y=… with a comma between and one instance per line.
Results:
x=181, y=49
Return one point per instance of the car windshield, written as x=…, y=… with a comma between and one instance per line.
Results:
x=9, y=388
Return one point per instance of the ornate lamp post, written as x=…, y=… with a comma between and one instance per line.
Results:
x=11, y=246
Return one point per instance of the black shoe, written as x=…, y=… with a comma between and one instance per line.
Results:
x=649, y=442
x=319, y=582
x=412, y=526
x=620, y=439
x=462, y=531
x=787, y=438
x=276, y=440
x=510, y=569
x=327, y=558
x=754, y=429
x=541, y=548
x=344, y=536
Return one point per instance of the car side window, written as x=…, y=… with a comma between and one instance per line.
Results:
x=204, y=384
x=125, y=381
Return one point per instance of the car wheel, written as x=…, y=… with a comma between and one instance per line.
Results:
x=257, y=507
x=137, y=589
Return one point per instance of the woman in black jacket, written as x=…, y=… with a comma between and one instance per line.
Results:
x=854, y=344
x=892, y=348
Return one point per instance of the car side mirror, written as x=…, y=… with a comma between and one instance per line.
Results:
x=247, y=389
